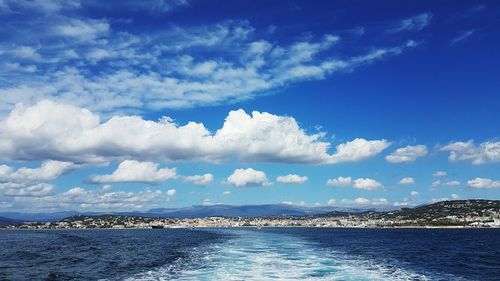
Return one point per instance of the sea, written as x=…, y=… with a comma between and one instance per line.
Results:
x=251, y=254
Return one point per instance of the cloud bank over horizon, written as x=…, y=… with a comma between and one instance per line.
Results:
x=70, y=138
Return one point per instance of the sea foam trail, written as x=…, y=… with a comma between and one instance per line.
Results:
x=261, y=255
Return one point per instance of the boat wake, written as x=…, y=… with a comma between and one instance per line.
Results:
x=261, y=255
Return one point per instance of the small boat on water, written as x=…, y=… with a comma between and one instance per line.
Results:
x=157, y=226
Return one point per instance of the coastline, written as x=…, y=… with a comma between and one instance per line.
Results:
x=440, y=215
x=252, y=227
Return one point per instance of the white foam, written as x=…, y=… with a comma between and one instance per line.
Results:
x=259, y=255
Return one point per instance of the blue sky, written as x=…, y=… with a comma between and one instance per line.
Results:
x=128, y=105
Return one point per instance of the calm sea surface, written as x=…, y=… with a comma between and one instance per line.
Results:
x=251, y=254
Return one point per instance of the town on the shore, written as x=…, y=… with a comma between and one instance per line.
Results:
x=458, y=213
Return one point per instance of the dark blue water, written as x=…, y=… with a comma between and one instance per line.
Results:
x=250, y=254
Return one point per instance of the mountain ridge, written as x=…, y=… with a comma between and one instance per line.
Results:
x=195, y=211
x=432, y=210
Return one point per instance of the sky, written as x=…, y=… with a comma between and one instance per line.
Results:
x=134, y=105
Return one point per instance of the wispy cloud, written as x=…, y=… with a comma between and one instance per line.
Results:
x=461, y=37
x=82, y=29
x=466, y=14
x=438, y=183
x=414, y=23
x=360, y=201
x=98, y=64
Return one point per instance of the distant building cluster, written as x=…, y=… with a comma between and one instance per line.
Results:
x=463, y=213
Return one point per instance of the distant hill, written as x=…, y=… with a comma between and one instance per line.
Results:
x=7, y=221
x=430, y=211
x=457, y=213
x=191, y=212
x=38, y=216
x=240, y=211
x=443, y=210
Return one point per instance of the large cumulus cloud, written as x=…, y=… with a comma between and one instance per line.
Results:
x=53, y=131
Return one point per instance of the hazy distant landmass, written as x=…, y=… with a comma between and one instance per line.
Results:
x=7, y=221
x=457, y=213
x=198, y=211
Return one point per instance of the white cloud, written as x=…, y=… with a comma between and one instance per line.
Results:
x=291, y=179
x=4, y=204
x=75, y=192
x=461, y=37
x=361, y=201
x=407, y=181
x=379, y=202
x=248, y=177
x=207, y=202
x=486, y=152
x=140, y=71
x=439, y=199
x=417, y=23
x=97, y=55
x=69, y=133
x=25, y=189
x=340, y=181
x=23, y=68
x=83, y=29
x=275, y=138
x=440, y=174
x=48, y=170
x=414, y=193
x=401, y=204
x=25, y=52
x=358, y=149
x=360, y=183
x=483, y=183
x=367, y=184
x=27, y=182
x=78, y=198
x=445, y=183
x=226, y=193
x=204, y=179
x=156, y=7
x=332, y=202
x=43, y=6
x=300, y=203
x=407, y=154
x=171, y=192
x=106, y=187
x=135, y=171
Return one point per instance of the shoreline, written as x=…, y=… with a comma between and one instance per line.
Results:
x=249, y=227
